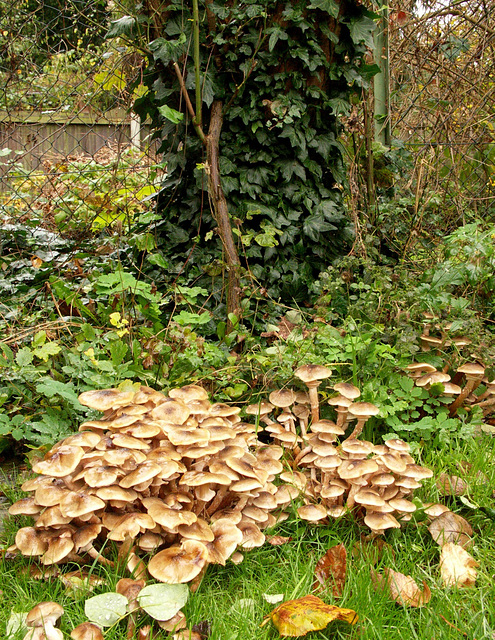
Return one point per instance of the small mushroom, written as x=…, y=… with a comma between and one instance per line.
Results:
x=44, y=616
x=312, y=375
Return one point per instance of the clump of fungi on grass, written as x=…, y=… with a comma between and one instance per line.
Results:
x=188, y=482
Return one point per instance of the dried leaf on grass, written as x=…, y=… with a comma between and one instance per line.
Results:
x=278, y=540
x=450, y=527
x=403, y=589
x=451, y=485
x=457, y=567
x=330, y=570
x=299, y=617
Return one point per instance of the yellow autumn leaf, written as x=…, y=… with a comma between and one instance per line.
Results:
x=299, y=617
x=457, y=567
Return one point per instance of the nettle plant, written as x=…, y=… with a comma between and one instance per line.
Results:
x=270, y=80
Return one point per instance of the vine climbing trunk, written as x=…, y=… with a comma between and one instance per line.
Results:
x=221, y=211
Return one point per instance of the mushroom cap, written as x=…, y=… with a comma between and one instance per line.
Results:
x=59, y=461
x=104, y=399
x=312, y=512
x=347, y=390
x=340, y=401
x=171, y=411
x=326, y=426
x=363, y=409
x=86, y=631
x=44, y=613
x=309, y=373
x=179, y=563
x=282, y=398
x=398, y=445
x=261, y=409
x=76, y=504
x=402, y=505
x=189, y=393
x=472, y=370
x=432, y=378
x=353, y=469
x=29, y=542
x=25, y=507
x=357, y=447
x=369, y=498
x=380, y=521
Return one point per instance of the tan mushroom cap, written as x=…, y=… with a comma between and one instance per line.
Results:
x=25, y=507
x=227, y=538
x=168, y=518
x=85, y=439
x=369, y=498
x=52, y=517
x=363, y=409
x=224, y=410
x=347, y=390
x=60, y=461
x=199, y=530
x=402, y=505
x=472, y=370
x=76, y=504
x=58, y=549
x=44, y=613
x=189, y=393
x=86, y=631
x=29, y=542
x=144, y=472
x=417, y=472
x=380, y=521
x=282, y=398
x=130, y=525
x=261, y=409
x=326, y=426
x=393, y=462
x=353, y=469
x=339, y=401
x=398, y=445
x=309, y=373
x=312, y=512
x=104, y=399
x=420, y=367
x=198, y=478
x=171, y=411
x=179, y=563
x=251, y=534
x=432, y=378
x=354, y=446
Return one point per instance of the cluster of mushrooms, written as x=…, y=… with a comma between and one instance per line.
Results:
x=189, y=482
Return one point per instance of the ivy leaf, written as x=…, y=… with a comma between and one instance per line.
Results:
x=121, y=27
x=361, y=30
x=171, y=114
x=329, y=6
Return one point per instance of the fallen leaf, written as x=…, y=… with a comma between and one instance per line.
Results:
x=451, y=485
x=187, y=634
x=273, y=598
x=403, y=589
x=457, y=567
x=278, y=540
x=77, y=582
x=330, y=570
x=36, y=262
x=450, y=527
x=299, y=617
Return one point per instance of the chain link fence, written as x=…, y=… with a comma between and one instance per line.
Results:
x=69, y=146
x=443, y=103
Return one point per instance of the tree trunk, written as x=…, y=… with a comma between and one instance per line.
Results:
x=221, y=211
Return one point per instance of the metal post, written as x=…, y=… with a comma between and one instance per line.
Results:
x=381, y=81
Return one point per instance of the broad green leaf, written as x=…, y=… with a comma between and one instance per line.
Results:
x=331, y=7
x=45, y=351
x=121, y=27
x=49, y=388
x=361, y=30
x=106, y=609
x=186, y=318
x=171, y=114
x=24, y=356
x=163, y=601
x=16, y=624
x=39, y=339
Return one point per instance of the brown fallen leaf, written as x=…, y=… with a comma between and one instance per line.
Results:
x=278, y=540
x=403, y=589
x=450, y=527
x=299, y=617
x=451, y=485
x=330, y=570
x=457, y=567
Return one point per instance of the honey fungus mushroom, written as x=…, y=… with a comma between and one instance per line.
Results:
x=42, y=618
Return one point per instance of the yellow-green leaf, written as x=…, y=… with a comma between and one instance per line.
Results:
x=299, y=617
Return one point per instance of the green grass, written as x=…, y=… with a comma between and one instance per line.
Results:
x=231, y=598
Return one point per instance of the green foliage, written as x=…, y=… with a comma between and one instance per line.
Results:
x=281, y=156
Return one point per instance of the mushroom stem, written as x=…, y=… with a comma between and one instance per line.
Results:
x=313, y=399
x=358, y=428
x=217, y=500
x=470, y=386
x=301, y=455
x=96, y=555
